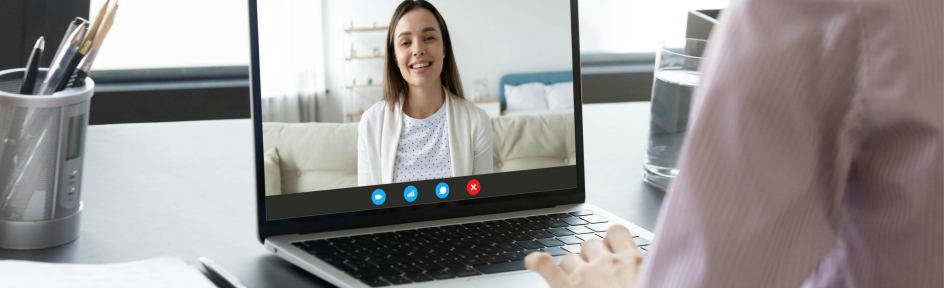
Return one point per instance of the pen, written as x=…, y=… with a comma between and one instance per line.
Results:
x=60, y=63
x=32, y=67
x=69, y=69
x=16, y=127
x=219, y=271
x=84, y=47
x=65, y=38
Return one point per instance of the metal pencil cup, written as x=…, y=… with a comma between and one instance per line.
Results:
x=42, y=143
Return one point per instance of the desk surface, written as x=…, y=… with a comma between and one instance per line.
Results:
x=187, y=188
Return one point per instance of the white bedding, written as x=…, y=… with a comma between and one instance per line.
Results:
x=537, y=98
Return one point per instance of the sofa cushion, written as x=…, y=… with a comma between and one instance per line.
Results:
x=525, y=142
x=314, y=156
x=322, y=156
x=273, y=180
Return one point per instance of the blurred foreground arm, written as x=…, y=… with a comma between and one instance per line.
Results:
x=767, y=157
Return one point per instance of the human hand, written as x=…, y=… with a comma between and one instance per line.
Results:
x=611, y=262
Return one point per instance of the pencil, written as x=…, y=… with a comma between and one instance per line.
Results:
x=105, y=27
x=93, y=30
x=78, y=80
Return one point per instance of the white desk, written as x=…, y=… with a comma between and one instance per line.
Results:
x=187, y=188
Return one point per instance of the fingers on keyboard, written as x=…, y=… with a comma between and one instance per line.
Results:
x=464, y=250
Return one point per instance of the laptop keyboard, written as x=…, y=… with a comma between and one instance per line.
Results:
x=463, y=250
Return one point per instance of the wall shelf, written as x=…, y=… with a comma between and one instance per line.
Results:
x=363, y=86
x=360, y=67
x=364, y=58
x=366, y=29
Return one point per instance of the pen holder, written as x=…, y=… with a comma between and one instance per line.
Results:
x=42, y=142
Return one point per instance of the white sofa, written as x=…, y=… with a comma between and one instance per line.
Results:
x=320, y=156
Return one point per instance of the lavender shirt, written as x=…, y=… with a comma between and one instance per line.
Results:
x=814, y=154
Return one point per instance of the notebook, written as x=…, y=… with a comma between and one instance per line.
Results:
x=164, y=271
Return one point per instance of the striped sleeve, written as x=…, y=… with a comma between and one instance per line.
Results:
x=767, y=151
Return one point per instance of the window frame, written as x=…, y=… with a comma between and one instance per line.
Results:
x=170, y=94
x=222, y=92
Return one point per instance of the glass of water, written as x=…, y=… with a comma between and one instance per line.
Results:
x=676, y=74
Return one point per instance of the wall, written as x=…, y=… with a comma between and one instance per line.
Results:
x=23, y=21
x=490, y=38
x=290, y=47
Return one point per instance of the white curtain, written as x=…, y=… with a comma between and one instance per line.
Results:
x=291, y=58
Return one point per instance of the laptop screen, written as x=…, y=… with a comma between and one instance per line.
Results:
x=387, y=104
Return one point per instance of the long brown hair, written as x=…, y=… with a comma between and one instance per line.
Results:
x=394, y=85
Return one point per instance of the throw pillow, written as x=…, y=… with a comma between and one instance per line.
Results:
x=273, y=174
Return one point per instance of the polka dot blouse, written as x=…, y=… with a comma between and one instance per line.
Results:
x=423, y=151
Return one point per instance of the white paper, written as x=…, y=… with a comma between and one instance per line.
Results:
x=165, y=271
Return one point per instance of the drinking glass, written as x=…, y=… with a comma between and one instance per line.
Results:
x=676, y=74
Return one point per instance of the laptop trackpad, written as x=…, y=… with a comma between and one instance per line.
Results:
x=527, y=279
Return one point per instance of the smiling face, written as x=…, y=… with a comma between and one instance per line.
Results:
x=419, y=48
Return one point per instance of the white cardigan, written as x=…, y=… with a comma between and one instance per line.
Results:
x=378, y=135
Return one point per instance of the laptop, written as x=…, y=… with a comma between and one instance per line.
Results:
x=519, y=64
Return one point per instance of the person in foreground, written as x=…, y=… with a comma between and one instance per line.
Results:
x=814, y=157
x=424, y=129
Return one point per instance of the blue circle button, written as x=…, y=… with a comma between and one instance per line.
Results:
x=442, y=190
x=410, y=194
x=378, y=197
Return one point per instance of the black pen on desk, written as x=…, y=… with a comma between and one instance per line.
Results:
x=102, y=25
x=60, y=63
x=222, y=273
x=32, y=67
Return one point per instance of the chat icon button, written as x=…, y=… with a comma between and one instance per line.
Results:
x=442, y=190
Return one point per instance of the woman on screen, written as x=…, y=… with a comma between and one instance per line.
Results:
x=424, y=128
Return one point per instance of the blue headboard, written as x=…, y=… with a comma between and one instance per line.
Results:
x=547, y=78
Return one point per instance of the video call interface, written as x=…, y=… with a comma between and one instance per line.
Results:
x=328, y=145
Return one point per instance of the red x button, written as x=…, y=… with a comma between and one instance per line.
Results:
x=473, y=187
